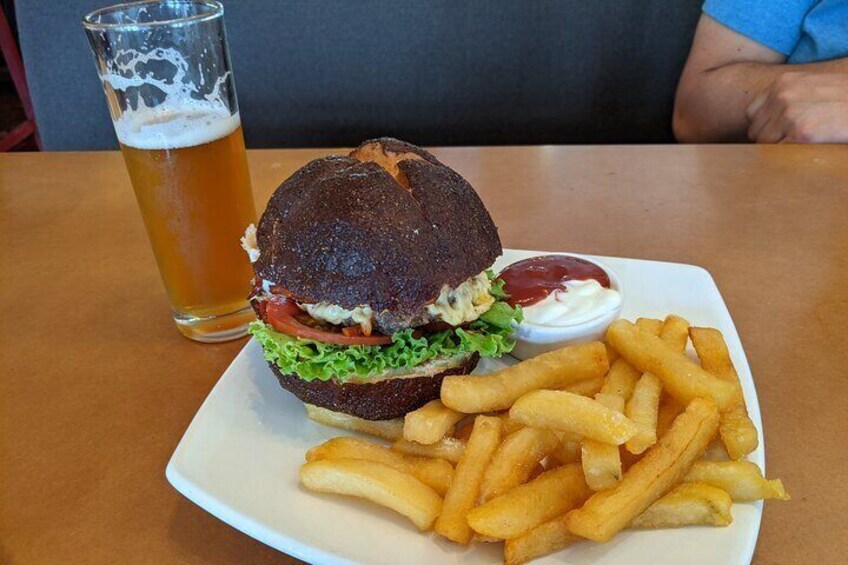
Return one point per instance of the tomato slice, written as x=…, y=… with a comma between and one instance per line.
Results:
x=280, y=313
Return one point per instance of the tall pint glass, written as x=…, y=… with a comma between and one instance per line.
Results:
x=166, y=72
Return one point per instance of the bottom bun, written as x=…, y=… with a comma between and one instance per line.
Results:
x=382, y=399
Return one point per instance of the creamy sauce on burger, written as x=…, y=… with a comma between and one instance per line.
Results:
x=465, y=303
x=455, y=306
x=335, y=314
x=248, y=243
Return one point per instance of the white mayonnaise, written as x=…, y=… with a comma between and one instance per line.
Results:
x=266, y=285
x=580, y=302
x=248, y=243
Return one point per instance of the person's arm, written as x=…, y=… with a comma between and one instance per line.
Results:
x=725, y=71
x=729, y=91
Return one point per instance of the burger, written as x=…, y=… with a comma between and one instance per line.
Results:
x=373, y=281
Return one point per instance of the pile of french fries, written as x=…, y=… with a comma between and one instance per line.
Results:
x=573, y=445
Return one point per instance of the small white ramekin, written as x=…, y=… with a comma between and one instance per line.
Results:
x=534, y=339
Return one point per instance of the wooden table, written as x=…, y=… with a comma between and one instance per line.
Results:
x=97, y=386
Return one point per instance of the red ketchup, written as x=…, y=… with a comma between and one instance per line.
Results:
x=531, y=280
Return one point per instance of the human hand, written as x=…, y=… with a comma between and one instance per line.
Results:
x=801, y=107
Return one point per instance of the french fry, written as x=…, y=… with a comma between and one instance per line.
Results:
x=551, y=494
x=643, y=405
x=450, y=449
x=568, y=436
x=435, y=473
x=627, y=459
x=537, y=470
x=742, y=480
x=452, y=523
x=713, y=353
x=430, y=423
x=675, y=332
x=549, y=537
x=682, y=378
x=386, y=429
x=579, y=443
x=716, y=450
x=601, y=461
x=689, y=504
x=650, y=325
x=586, y=387
x=567, y=452
x=508, y=425
x=612, y=354
x=737, y=431
x=376, y=482
x=642, y=410
x=515, y=459
x=609, y=511
x=463, y=428
x=560, y=410
x=473, y=394
x=621, y=379
x=549, y=463
x=669, y=410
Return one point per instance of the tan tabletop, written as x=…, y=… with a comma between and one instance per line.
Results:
x=97, y=386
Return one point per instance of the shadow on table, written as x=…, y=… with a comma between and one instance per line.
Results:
x=205, y=539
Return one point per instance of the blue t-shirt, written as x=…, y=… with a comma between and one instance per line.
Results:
x=805, y=31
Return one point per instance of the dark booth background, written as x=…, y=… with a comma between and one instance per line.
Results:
x=435, y=72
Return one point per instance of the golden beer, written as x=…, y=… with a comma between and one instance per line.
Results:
x=196, y=202
x=166, y=73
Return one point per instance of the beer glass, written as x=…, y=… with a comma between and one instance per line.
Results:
x=166, y=72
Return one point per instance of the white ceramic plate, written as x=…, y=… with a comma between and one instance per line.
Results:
x=240, y=456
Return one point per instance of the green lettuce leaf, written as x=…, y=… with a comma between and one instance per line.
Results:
x=497, y=289
x=489, y=336
x=502, y=315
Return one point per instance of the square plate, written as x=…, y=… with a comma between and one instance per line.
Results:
x=239, y=458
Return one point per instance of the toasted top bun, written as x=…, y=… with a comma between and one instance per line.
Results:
x=386, y=227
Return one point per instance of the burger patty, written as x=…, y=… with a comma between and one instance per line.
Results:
x=387, y=322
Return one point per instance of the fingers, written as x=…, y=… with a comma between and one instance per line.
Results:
x=800, y=108
x=767, y=113
x=772, y=131
x=762, y=114
x=807, y=125
x=757, y=103
x=758, y=123
x=767, y=125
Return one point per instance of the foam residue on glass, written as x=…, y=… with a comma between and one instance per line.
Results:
x=187, y=118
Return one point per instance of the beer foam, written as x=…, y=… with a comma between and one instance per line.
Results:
x=174, y=128
x=186, y=118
